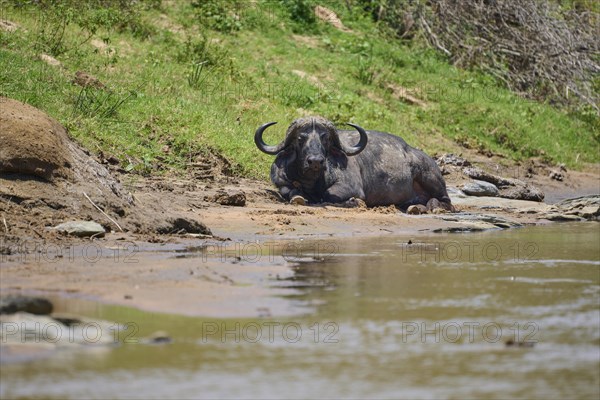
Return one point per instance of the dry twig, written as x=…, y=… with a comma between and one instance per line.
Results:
x=537, y=48
x=103, y=213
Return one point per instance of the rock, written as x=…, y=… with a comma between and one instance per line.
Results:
x=237, y=199
x=562, y=217
x=16, y=303
x=32, y=142
x=584, y=207
x=480, y=188
x=481, y=175
x=589, y=212
x=512, y=343
x=508, y=188
x=483, y=221
x=416, y=209
x=84, y=79
x=529, y=210
x=471, y=227
x=8, y=26
x=112, y=160
x=327, y=15
x=158, y=337
x=50, y=60
x=99, y=44
x=500, y=204
x=179, y=225
x=451, y=159
x=102, y=47
x=81, y=228
x=25, y=336
x=496, y=208
x=455, y=193
x=498, y=221
x=522, y=192
x=556, y=176
x=312, y=79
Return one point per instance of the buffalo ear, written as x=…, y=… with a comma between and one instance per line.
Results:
x=289, y=154
x=336, y=151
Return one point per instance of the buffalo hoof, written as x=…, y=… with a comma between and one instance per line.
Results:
x=298, y=200
x=356, y=203
x=439, y=207
x=416, y=209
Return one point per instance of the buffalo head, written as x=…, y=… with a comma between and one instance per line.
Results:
x=310, y=141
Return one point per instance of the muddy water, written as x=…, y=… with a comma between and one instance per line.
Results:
x=490, y=315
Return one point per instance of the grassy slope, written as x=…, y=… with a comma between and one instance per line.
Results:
x=248, y=80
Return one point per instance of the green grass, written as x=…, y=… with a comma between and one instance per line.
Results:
x=161, y=110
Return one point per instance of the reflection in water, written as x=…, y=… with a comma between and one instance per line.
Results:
x=497, y=314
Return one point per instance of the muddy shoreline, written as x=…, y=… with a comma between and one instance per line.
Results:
x=183, y=243
x=248, y=260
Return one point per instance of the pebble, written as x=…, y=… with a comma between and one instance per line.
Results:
x=416, y=209
x=16, y=303
x=237, y=199
x=557, y=176
x=480, y=188
x=81, y=228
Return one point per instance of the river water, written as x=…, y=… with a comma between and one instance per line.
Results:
x=509, y=313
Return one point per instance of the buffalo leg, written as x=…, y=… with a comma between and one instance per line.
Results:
x=435, y=188
x=293, y=195
x=341, y=193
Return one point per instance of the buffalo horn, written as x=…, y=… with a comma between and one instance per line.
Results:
x=362, y=143
x=262, y=146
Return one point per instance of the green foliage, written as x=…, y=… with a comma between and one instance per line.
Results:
x=55, y=17
x=198, y=74
x=200, y=50
x=590, y=116
x=580, y=5
x=302, y=14
x=301, y=11
x=174, y=95
x=52, y=26
x=98, y=103
x=393, y=17
x=223, y=16
x=366, y=69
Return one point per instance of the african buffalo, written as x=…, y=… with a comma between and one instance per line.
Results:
x=317, y=163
